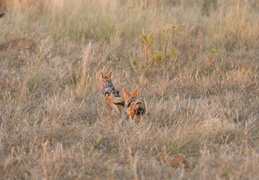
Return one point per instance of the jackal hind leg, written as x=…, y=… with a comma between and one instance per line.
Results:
x=119, y=108
x=109, y=108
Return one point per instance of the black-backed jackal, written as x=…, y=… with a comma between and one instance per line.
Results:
x=111, y=95
x=135, y=108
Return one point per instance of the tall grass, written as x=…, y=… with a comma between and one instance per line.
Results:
x=195, y=64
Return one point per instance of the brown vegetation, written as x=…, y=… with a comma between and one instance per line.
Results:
x=20, y=44
x=196, y=71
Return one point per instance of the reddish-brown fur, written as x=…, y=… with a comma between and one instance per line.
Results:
x=175, y=161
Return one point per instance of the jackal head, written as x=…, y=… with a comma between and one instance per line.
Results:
x=134, y=105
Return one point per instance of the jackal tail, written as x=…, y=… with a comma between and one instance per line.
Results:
x=1, y=15
x=140, y=108
x=117, y=101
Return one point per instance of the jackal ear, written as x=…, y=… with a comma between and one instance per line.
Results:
x=109, y=75
x=135, y=93
x=126, y=94
x=101, y=75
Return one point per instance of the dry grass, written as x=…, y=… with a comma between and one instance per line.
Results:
x=195, y=63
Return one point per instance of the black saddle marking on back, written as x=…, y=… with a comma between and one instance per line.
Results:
x=108, y=88
x=131, y=99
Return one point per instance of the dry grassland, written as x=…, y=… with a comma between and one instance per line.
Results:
x=196, y=64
